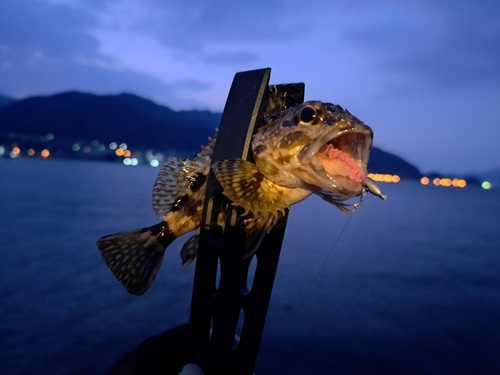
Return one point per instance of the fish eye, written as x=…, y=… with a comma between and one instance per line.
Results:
x=308, y=115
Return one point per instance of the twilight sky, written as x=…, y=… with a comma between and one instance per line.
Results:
x=424, y=74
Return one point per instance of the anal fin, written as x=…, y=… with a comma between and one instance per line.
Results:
x=189, y=250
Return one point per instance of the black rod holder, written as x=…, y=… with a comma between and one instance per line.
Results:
x=220, y=290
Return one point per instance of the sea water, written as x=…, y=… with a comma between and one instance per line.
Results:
x=410, y=285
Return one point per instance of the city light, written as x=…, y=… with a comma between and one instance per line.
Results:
x=30, y=152
x=75, y=147
x=154, y=163
x=456, y=182
x=424, y=181
x=130, y=161
x=486, y=185
x=45, y=153
x=119, y=152
x=113, y=146
x=384, y=177
x=15, y=152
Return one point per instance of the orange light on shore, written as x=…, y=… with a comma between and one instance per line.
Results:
x=16, y=150
x=127, y=153
x=456, y=182
x=445, y=182
x=30, y=152
x=119, y=152
x=45, y=153
x=384, y=177
x=459, y=183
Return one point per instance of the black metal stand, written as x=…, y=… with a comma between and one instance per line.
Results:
x=215, y=309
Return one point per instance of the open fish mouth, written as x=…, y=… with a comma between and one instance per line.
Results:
x=344, y=160
x=339, y=159
x=345, y=156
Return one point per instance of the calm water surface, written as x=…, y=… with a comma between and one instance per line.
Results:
x=411, y=286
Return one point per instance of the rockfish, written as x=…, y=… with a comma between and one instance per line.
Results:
x=312, y=148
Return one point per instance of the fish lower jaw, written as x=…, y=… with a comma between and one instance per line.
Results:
x=336, y=180
x=346, y=183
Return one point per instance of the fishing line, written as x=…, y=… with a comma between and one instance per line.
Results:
x=329, y=253
x=355, y=206
x=313, y=280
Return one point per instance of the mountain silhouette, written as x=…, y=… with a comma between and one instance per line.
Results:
x=5, y=101
x=139, y=122
x=385, y=162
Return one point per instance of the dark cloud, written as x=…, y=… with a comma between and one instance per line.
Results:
x=46, y=48
x=56, y=30
x=441, y=45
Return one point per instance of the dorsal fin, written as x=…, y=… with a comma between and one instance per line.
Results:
x=177, y=178
x=170, y=186
x=247, y=187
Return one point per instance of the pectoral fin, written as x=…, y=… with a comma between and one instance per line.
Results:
x=247, y=187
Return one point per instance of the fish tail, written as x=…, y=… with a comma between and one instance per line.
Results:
x=135, y=257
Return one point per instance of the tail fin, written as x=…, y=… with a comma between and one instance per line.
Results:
x=135, y=257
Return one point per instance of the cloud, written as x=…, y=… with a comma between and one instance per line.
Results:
x=54, y=29
x=229, y=57
x=444, y=45
x=48, y=46
x=25, y=79
x=229, y=21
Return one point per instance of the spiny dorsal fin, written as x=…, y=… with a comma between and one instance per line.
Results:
x=170, y=185
x=176, y=179
x=247, y=187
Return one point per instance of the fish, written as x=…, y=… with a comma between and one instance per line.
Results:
x=312, y=148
